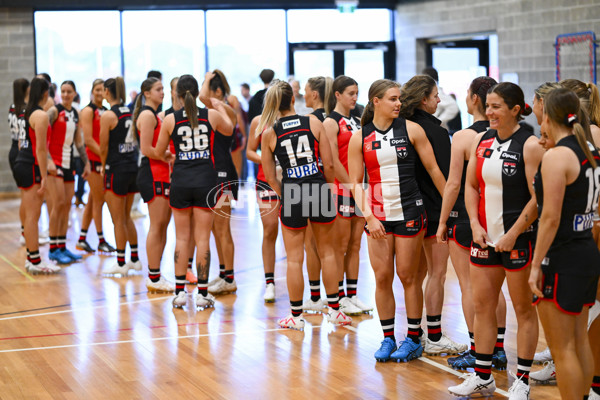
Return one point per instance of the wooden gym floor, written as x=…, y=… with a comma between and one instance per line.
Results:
x=80, y=335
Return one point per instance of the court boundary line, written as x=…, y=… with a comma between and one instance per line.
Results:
x=24, y=273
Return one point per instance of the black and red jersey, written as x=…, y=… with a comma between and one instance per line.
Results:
x=98, y=111
x=459, y=211
x=159, y=169
x=347, y=126
x=27, y=143
x=297, y=150
x=320, y=114
x=503, y=186
x=60, y=140
x=390, y=158
x=194, y=151
x=122, y=149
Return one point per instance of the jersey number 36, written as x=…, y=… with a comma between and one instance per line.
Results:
x=193, y=140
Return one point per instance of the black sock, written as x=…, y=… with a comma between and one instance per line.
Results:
x=179, y=284
x=34, y=257
x=315, y=290
x=333, y=301
x=351, y=285
x=596, y=384
x=523, y=369
x=483, y=366
x=190, y=262
x=203, y=287
x=53, y=243
x=82, y=235
x=101, y=237
x=121, y=257
x=296, y=308
x=154, y=274
x=341, y=293
x=269, y=278
x=134, y=252
x=414, y=329
x=222, y=271
x=472, y=340
x=500, y=340
x=388, y=328
x=228, y=276
x=434, y=327
x=62, y=242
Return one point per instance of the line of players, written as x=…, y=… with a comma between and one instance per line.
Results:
x=407, y=156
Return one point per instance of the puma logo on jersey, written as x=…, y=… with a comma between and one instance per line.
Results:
x=194, y=155
x=126, y=147
x=290, y=124
x=583, y=222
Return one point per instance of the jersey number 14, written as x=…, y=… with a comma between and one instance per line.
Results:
x=303, y=150
x=593, y=176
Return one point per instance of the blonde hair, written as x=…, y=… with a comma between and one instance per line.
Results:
x=378, y=89
x=588, y=95
x=322, y=85
x=278, y=98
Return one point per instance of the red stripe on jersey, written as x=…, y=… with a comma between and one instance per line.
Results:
x=160, y=169
x=212, y=147
x=125, y=116
x=373, y=168
x=483, y=145
x=297, y=130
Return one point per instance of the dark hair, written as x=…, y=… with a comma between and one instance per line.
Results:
x=340, y=84
x=71, y=83
x=77, y=98
x=219, y=82
x=432, y=72
x=155, y=74
x=39, y=86
x=563, y=107
x=512, y=96
x=377, y=89
x=479, y=87
x=278, y=98
x=19, y=89
x=116, y=87
x=146, y=86
x=413, y=92
x=187, y=89
x=323, y=86
x=245, y=86
x=267, y=75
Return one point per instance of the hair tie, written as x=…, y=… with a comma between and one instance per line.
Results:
x=527, y=106
x=571, y=119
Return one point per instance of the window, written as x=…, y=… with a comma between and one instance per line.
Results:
x=78, y=45
x=243, y=42
x=363, y=25
x=150, y=42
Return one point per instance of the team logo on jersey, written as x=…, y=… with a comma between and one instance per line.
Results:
x=419, y=202
x=410, y=224
x=510, y=155
x=398, y=142
x=509, y=168
x=401, y=152
x=290, y=124
x=518, y=254
x=376, y=145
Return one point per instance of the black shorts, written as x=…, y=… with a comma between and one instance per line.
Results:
x=186, y=197
x=515, y=260
x=461, y=233
x=12, y=154
x=305, y=201
x=404, y=228
x=66, y=174
x=26, y=175
x=264, y=192
x=431, y=229
x=96, y=166
x=120, y=183
x=570, y=293
x=346, y=207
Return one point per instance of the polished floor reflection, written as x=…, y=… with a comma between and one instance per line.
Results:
x=79, y=335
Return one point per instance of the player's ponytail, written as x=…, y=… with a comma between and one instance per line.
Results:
x=278, y=98
x=562, y=107
x=322, y=85
x=116, y=88
x=39, y=86
x=377, y=89
x=187, y=90
x=19, y=89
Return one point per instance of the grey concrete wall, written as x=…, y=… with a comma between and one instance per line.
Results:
x=526, y=32
x=17, y=60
